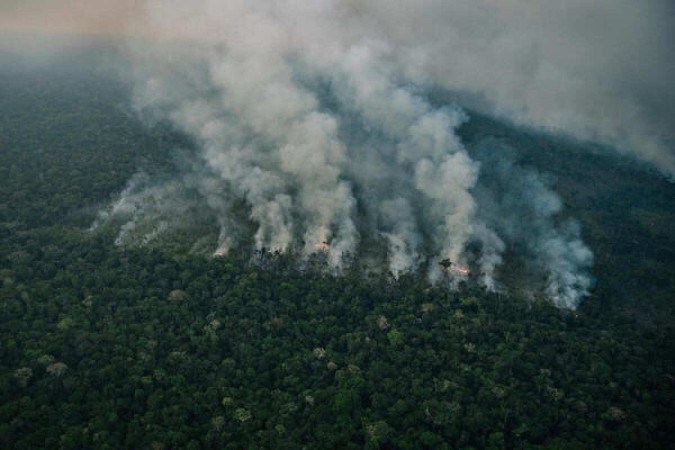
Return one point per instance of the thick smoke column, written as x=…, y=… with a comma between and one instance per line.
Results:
x=422, y=141
x=319, y=138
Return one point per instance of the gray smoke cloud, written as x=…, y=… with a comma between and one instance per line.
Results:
x=599, y=70
x=315, y=130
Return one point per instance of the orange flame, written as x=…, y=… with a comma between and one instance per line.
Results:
x=459, y=270
x=322, y=246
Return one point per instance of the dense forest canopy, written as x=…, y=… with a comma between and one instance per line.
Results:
x=106, y=346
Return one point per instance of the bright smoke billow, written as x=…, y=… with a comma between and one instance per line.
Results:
x=327, y=141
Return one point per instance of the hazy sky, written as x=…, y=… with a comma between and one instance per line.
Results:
x=69, y=16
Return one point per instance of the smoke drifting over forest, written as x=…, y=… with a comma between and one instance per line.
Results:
x=317, y=120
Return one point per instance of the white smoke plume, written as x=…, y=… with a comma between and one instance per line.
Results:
x=316, y=117
x=520, y=207
x=597, y=70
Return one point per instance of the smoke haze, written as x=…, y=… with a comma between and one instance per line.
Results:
x=316, y=116
x=598, y=70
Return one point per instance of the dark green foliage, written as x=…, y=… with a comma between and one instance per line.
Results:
x=210, y=353
x=67, y=143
